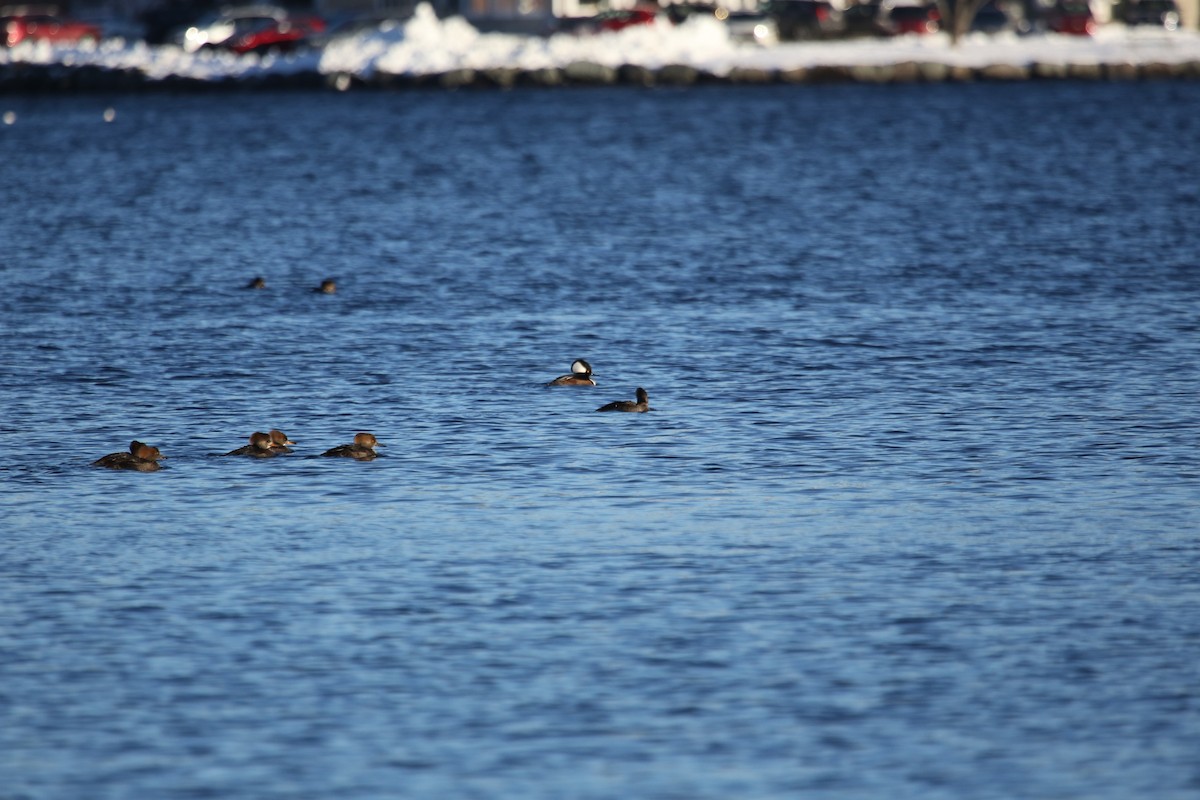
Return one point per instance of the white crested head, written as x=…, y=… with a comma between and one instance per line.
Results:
x=581, y=367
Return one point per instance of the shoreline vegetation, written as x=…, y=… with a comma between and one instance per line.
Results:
x=39, y=78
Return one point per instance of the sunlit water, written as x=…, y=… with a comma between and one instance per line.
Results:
x=916, y=513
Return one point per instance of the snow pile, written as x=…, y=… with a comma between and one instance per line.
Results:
x=426, y=45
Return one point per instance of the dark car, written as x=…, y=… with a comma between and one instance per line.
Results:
x=798, y=20
x=900, y=20
x=1071, y=17
x=1163, y=13
x=46, y=28
x=863, y=19
x=992, y=19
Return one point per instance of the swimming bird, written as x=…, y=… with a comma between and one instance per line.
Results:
x=581, y=375
x=642, y=404
x=280, y=441
x=363, y=448
x=141, y=457
x=260, y=446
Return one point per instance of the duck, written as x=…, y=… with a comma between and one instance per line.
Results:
x=642, y=404
x=257, y=283
x=280, y=440
x=328, y=286
x=581, y=375
x=260, y=446
x=362, y=449
x=141, y=457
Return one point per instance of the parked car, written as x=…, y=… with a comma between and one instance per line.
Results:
x=46, y=28
x=751, y=27
x=1152, y=12
x=918, y=19
x=680, y=13
x=863, y=19
x=215, y=30
x=278, y=36
x=797, y=20
x=619, y=19
x=1071, y=17
x=992, y=19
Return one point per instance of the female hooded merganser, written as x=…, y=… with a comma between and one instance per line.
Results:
x=363, y=448
x=280, y=441
x=642, y=404
x=327, y=287
x=581, y=375
x=257, y=283
x=141, y=457
x=260, y=446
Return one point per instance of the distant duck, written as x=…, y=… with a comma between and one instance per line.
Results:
x=280, y=441
x=141, y=457
x=327, y=287
x=642, y=404
x=581, y=375
x=260, y=446
x=258, y=283
x=363, y=448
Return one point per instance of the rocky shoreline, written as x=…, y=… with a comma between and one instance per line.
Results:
x=27, y=78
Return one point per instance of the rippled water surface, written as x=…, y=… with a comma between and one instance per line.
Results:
x=916, y=513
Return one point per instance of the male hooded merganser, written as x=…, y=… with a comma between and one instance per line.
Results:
x=581, y=375
x=257, y=283
x=141, y=457
x=642, y=404
x=260, y=446
x=363, y=448
x=280, y=441
x=327, y=287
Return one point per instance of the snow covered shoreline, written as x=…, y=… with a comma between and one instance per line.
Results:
x=436, y=53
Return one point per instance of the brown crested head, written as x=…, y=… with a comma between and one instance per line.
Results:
x=279, y=438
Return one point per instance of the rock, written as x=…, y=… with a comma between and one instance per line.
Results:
x=502, y=77
x=794, y=75
x=906, y=72
x=547, y=76
x=589, y=72
x=456, y=78
x=678, y=75
x=933, y=72
x=635, y=75
x=1157, y=70
x=1005, y=72
x=1049, y=71
x=1114, y=72
x=751, y=75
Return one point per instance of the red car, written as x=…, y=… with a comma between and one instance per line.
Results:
x=46, y=28
x=1072, y=18
x=913, y=19
x=279, y=35
x=617, y=20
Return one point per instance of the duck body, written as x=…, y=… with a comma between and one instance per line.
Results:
x=641, y=406
x=361, y=449
x=140, y=458
x=581, y=375
x=260, y=446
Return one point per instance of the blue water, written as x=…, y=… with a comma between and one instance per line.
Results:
x=916, y=515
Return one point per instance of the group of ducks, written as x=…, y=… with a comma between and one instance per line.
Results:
x=327, y=286
x=144, y=458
